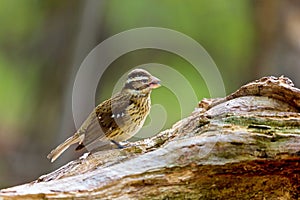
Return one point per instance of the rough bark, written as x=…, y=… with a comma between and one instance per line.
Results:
x=243, y=146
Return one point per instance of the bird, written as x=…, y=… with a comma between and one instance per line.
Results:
x=116, y=119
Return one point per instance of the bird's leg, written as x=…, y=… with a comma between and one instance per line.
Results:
x=117, y=144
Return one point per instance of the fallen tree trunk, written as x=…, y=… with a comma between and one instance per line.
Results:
x=243, y=146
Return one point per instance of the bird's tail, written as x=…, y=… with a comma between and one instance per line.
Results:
x=55, y=153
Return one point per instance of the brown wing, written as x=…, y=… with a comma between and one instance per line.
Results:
x=105, y=119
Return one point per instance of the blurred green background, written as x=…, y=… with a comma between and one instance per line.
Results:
x=44, y=42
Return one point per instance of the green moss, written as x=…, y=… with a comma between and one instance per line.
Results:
x=260, y=123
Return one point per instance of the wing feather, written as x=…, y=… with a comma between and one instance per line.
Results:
x=106, y=119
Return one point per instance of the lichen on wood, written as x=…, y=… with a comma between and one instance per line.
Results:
x=243, y=146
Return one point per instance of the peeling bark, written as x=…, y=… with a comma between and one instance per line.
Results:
x=243, y=146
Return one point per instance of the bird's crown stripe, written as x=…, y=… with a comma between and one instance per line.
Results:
x=138, y=78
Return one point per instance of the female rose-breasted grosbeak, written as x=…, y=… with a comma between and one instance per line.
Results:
x=118, y=118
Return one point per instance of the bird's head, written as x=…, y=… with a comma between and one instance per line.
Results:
x=139, y=81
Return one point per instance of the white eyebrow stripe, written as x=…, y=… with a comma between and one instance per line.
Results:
x=137, y=79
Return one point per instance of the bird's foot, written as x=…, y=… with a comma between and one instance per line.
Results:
x=118, y=144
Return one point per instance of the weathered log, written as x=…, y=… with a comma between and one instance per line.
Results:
x=243, y=146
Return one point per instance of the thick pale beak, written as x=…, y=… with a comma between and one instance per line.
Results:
x=155, y=83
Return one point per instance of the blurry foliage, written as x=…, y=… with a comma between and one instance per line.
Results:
x=18, y=19
x=18, y=74
x=17, y=88
x=224, y=29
